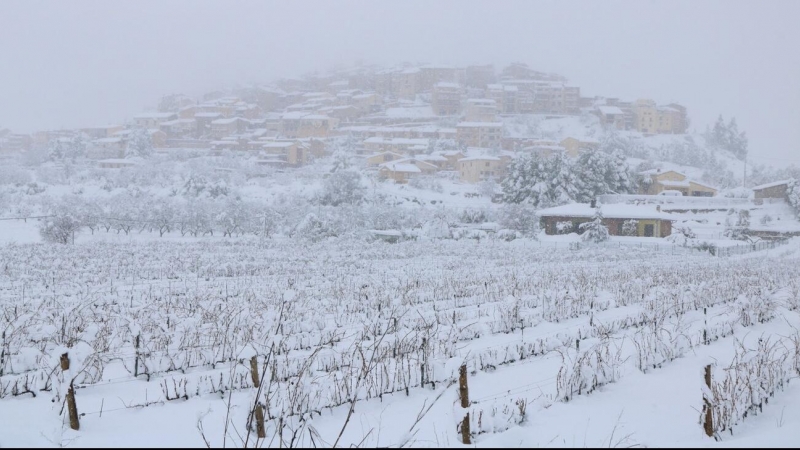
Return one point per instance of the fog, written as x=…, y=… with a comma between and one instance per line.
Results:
x=84, y=63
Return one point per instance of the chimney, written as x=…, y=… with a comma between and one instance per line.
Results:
x=658, y=208
x=594, y=203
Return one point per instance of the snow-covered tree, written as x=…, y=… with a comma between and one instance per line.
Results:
x=124, y=212
x=520, y=218
x=525, y=181
x=56, y=150
x=91, y=214
x=195, y=218
x=562, y=185
x=793, y=195
x=314, y=228
x=140, y=144
x=233, y=216
x=162, y=215
x=595, y=231
x=728, y=137
x=61, y=225
x=340, y=188
x=598, y=173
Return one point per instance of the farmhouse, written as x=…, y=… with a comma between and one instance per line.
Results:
x=671, y=180
x=776, y=189
x=648, y=221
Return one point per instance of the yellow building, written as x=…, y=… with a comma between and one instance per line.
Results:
x=574, y=146
x=650, y=118
x=475, y=169
x=671, y=180
x=401, y=170
x=479, y=134
x=481, y=110
x=446, y=98
x=382, y=158
x=396, y=145
x=304, y=125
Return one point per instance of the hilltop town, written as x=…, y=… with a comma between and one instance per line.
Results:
x=458, y=138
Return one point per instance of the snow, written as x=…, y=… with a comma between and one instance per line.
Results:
x=479, y=125
x=613, y=211
x=610, y=110
x=401, y=167
x=479, y=158
x=770, y=185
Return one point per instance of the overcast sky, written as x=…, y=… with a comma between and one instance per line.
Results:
x=81, y=63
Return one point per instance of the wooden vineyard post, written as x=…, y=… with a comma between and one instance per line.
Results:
x=463, y=391
x=262, y=433
x=254, y=371
x=136, y=361
x=72, y=407
x=708, y=420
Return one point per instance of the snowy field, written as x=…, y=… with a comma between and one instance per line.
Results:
x=360, y=344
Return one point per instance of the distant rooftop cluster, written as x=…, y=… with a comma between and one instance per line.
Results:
x=395, y=114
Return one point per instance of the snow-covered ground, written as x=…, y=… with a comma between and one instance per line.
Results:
x=360, y=343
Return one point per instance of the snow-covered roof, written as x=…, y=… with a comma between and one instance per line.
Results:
x=401, y=167
x=610, y=110
x=771, y=185
x=396, y=141
x=482, y=101
x=225, y=121
x=612, y=211
x=117, y=161
x=479, y=158
x=277, y=144
x=480, y=124
x=432, y=157
x=445, y=84
x=671, y=183
x=108, y=140
x=385, y=153
x=301, y=115
x=154, y=115
x=207, y=115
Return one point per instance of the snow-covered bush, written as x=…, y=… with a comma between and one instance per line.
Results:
x=630, y=227
x=473, y=216
x=521, y=218
x=61, y=226
x=342, y=187
x=508, y=235
x=683, y=236
x=766, y=219
x=707, y=247
x=468, y=233
x=14, y=176
x=565, y=227
x=314, y=228
x=426, y=182
x=595, y=231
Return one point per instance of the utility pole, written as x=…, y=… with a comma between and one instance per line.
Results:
x=744, y=178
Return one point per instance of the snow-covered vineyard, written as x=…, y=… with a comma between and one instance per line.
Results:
x=343, y=342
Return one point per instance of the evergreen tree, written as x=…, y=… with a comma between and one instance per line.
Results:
x=595, y=231
x=140, y=145
x=793, y=196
